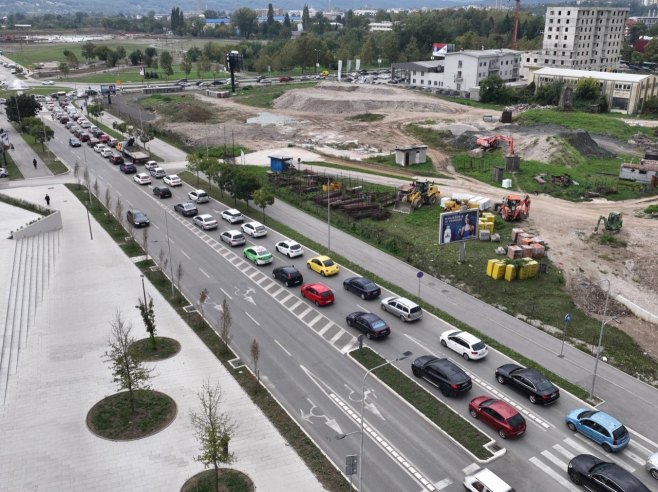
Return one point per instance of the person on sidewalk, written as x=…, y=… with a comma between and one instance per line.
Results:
x=47, y=200
x=34, y=162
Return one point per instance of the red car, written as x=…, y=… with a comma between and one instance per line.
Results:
x=285, y=78
x=498, y=415
x=103, y=138
x=320, y=294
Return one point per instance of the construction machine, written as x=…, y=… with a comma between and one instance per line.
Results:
x=612, y=224
x=514, y=207
x=490, y=143
x=420, y=192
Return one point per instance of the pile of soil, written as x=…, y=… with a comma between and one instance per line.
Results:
x=583, y=143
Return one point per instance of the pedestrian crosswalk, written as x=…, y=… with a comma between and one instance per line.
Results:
x=555, y=460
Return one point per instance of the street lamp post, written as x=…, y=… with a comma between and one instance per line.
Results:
x=598, y=347
x=317, y=60
x=328, y=217
x=363, y=401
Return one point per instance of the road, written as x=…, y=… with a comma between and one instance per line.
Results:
x=303, y=361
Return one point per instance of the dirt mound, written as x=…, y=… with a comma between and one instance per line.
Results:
x=350, y=99
x=583, y=143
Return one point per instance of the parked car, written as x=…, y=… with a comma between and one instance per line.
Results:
x=289, y=275
x=161, y=191
x=652, y=465
x=198, y=196
x=285, y=79
x=104, y=138
x=116, y=159
x=158, y=172
x=487, y=480
x=92, y=142
x=319, y=294
x=187, y=209
x=84, y=136
x=99, y=147
x=74, y=142
x=597, y=475
x=232, y=215
x=323, y=265
x=254, y=229
x=600, y=427
x=233, y=238
x=137, y=218
x=173, y=180
x=528, y=381
x=3, y=173
x=106, y=152
x=443, y=374
x=497, y=414
x=205, y=221
x=369, y=323
x=127, y=168
x=363, y=287
x=257, y=254
x=142, y=178
x=290, y=248
x=402, y=307
x=465, y=344
x=151, y=165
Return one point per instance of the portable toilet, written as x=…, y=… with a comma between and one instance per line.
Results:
x=280, y=163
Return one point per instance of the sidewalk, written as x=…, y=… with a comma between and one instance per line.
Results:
x=22, y=154
x=46, y=444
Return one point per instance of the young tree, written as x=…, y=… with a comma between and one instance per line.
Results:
x=255, y=355
x=179, y=276
x=89, y=51
x=64, y=68
x=148, y=316
x=145, y=242
x=203, y=297
x=213, y=429
x=225, y=325
x=194, y=163
x=263, y=197
x=166, y=61
x=118, y=210
x=186, y=65
x=96, y=191
x=38, y=130
x=129, y=373
x=21, y=106
x=108, y=198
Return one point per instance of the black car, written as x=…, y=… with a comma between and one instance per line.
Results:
x=137, y=218
x=217, y=82
x=74, y=142
x=532, y=383
x=598, y=475
x=127, y=168
x=187, y=209
x=369, y=323
x=443, y=374
x=289, y=275
x=162, y=191
x=363, y=287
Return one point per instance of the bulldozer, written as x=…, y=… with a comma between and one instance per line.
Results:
x=420, y=192
x=514, y=207
x=612, y=224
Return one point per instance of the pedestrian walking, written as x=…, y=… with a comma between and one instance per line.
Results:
x=47, y=200
x=34, y=162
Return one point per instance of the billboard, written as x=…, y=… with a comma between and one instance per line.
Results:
x=108, y=89
x=458, y=226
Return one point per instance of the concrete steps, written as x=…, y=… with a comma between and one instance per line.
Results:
x=31, y=269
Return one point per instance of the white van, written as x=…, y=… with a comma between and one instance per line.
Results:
x=486, y=481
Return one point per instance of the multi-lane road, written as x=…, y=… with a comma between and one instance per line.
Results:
x=304, y=360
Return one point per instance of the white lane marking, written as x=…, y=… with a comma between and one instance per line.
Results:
x=348, y=347
x=201, y=270
x=325, y=329
x=470, y=469
x=252, y=318
x=361, y=307
x=336, y=337
x=304, y=312
x=554, y=475
x=564, y=452
x=554, y=459
x=185, y=254
x=634, y=457
x=283, y=348
x=294, y=306
x=443, y=484
x=577, y=446
x=226, y=293
x=642, y=450
x=315, y=320
x=155, y=225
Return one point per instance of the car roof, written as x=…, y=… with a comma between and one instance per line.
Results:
x=254, y=224
x=205, y=216
x=466, y=336
x=621, y=477
x=233, y=232
x=607, y=421
x=259, y=249
x=322, y=258
x=232, y=211
x=197, y=191
x=505, y=409
x=319, y=287
x=446, y=365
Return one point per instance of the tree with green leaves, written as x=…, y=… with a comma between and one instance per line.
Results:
x=148, y=316
x=38, y=130
x=225, y=323
x=129, y=373
x=136, y=57
x=549, y=93
x=493, y=89
x=166, y=63
x=64, y=68
x=263, y=197
x=21, y=106
x=96, y=109
x=194, y=164
x=71, y=59
x=588, y=89
x=186, y=65
x=245, y=20
x=213, y=429
x=88, y=51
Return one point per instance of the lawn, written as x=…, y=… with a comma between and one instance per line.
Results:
x=51, y=52
x=45, y=90
x=131, y=74
x=180, y=108
x=264, y=96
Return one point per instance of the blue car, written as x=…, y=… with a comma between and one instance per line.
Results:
x=599, y=427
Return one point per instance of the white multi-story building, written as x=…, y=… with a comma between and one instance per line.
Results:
x=583, y=38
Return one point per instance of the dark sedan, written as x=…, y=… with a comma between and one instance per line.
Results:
x=363, y=287
x=598, y=475
x=162, y=191
x=528, y=381
x=127, y=168
x=369, y=323
x=187, y=209
x=443, y=374
x=289, y=275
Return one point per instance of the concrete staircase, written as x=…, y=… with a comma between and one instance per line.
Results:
x=34, y=260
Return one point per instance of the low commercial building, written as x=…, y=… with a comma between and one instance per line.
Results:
x=408, y=156
x=625, y=92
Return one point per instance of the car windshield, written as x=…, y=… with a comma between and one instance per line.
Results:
x=479, y=346
x=378, y=325
x=620, y=432
x=515, y=420
x=328, y=263
x=586, y=413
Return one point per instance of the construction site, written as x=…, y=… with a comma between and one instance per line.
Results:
x=318, y=120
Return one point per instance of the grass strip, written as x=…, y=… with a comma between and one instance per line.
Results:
x=324, y=470
x=444, y=417
x=53, y=163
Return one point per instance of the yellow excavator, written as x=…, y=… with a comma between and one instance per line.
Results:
x=420, y=192
x=613, y=223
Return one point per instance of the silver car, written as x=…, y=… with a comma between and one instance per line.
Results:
x=402, y=307
x=233, y=238
x=652, y=465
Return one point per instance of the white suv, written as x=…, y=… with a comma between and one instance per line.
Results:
x=198, y=196
x=232, y=215
x=465, y=344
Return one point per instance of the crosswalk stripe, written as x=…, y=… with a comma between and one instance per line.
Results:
x=640, y=461
x=564, y=452
x=643, y=451
x=554, y=475
x=443, y=484
x=577, y=446
x=554, y=459
x=470, y=469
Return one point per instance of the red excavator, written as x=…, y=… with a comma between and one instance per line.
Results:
x=489, y=143
x=514, y=207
